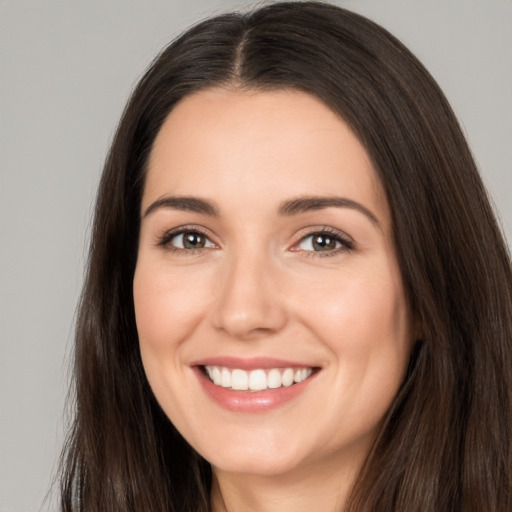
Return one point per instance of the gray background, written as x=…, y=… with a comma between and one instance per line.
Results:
x=66, y=69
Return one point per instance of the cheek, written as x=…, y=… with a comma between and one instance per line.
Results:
x=356, y=300
x=364, y=324
x=363, y=319
x=168, y=305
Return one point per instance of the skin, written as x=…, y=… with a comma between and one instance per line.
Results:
x=260, y=289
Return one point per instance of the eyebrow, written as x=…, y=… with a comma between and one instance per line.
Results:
x=184, y=203
x=291, y=207
x=305, y=204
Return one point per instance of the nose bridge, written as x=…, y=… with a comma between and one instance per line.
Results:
x=249, y=304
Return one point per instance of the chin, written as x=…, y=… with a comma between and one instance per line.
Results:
x=263, y=465
x=269, y=456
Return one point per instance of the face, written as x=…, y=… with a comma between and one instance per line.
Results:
x=272, y=321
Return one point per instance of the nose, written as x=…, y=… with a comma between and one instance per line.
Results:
x=249, y=304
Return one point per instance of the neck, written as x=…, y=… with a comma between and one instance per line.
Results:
x=303, y=490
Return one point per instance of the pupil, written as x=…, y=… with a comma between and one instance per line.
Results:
x=323, y=243
x=193, y=240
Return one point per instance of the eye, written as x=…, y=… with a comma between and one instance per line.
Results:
x=187, y=240
x=323, y=241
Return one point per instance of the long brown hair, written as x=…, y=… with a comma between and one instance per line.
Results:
x=445, y=444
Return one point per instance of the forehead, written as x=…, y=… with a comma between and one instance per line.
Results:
x=257, y=144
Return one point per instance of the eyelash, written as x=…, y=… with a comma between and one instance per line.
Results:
x=165, y=239
x=346, y=244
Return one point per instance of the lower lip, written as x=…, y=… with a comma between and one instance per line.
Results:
x=251, y=401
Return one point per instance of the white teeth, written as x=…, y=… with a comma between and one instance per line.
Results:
x=216, y=376
x=274, y=378
x=287, y=377
x=239, y=380
x=256, y=380
x=225, y=378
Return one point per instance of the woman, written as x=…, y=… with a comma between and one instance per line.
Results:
x=297, y=297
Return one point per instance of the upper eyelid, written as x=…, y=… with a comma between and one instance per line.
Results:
x=188, y=227
x=300, y=235
x=346, y=241
x=311, y=230
x=168, y=235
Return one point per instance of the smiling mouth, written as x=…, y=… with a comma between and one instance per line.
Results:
x=256, y=380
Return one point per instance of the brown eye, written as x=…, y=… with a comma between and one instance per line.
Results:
x=190, y=240
x=323, y=242
x=193, y=240
x=320, y=242
x=328, y=242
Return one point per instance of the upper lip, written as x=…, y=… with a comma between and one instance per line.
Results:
x=253, y=363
